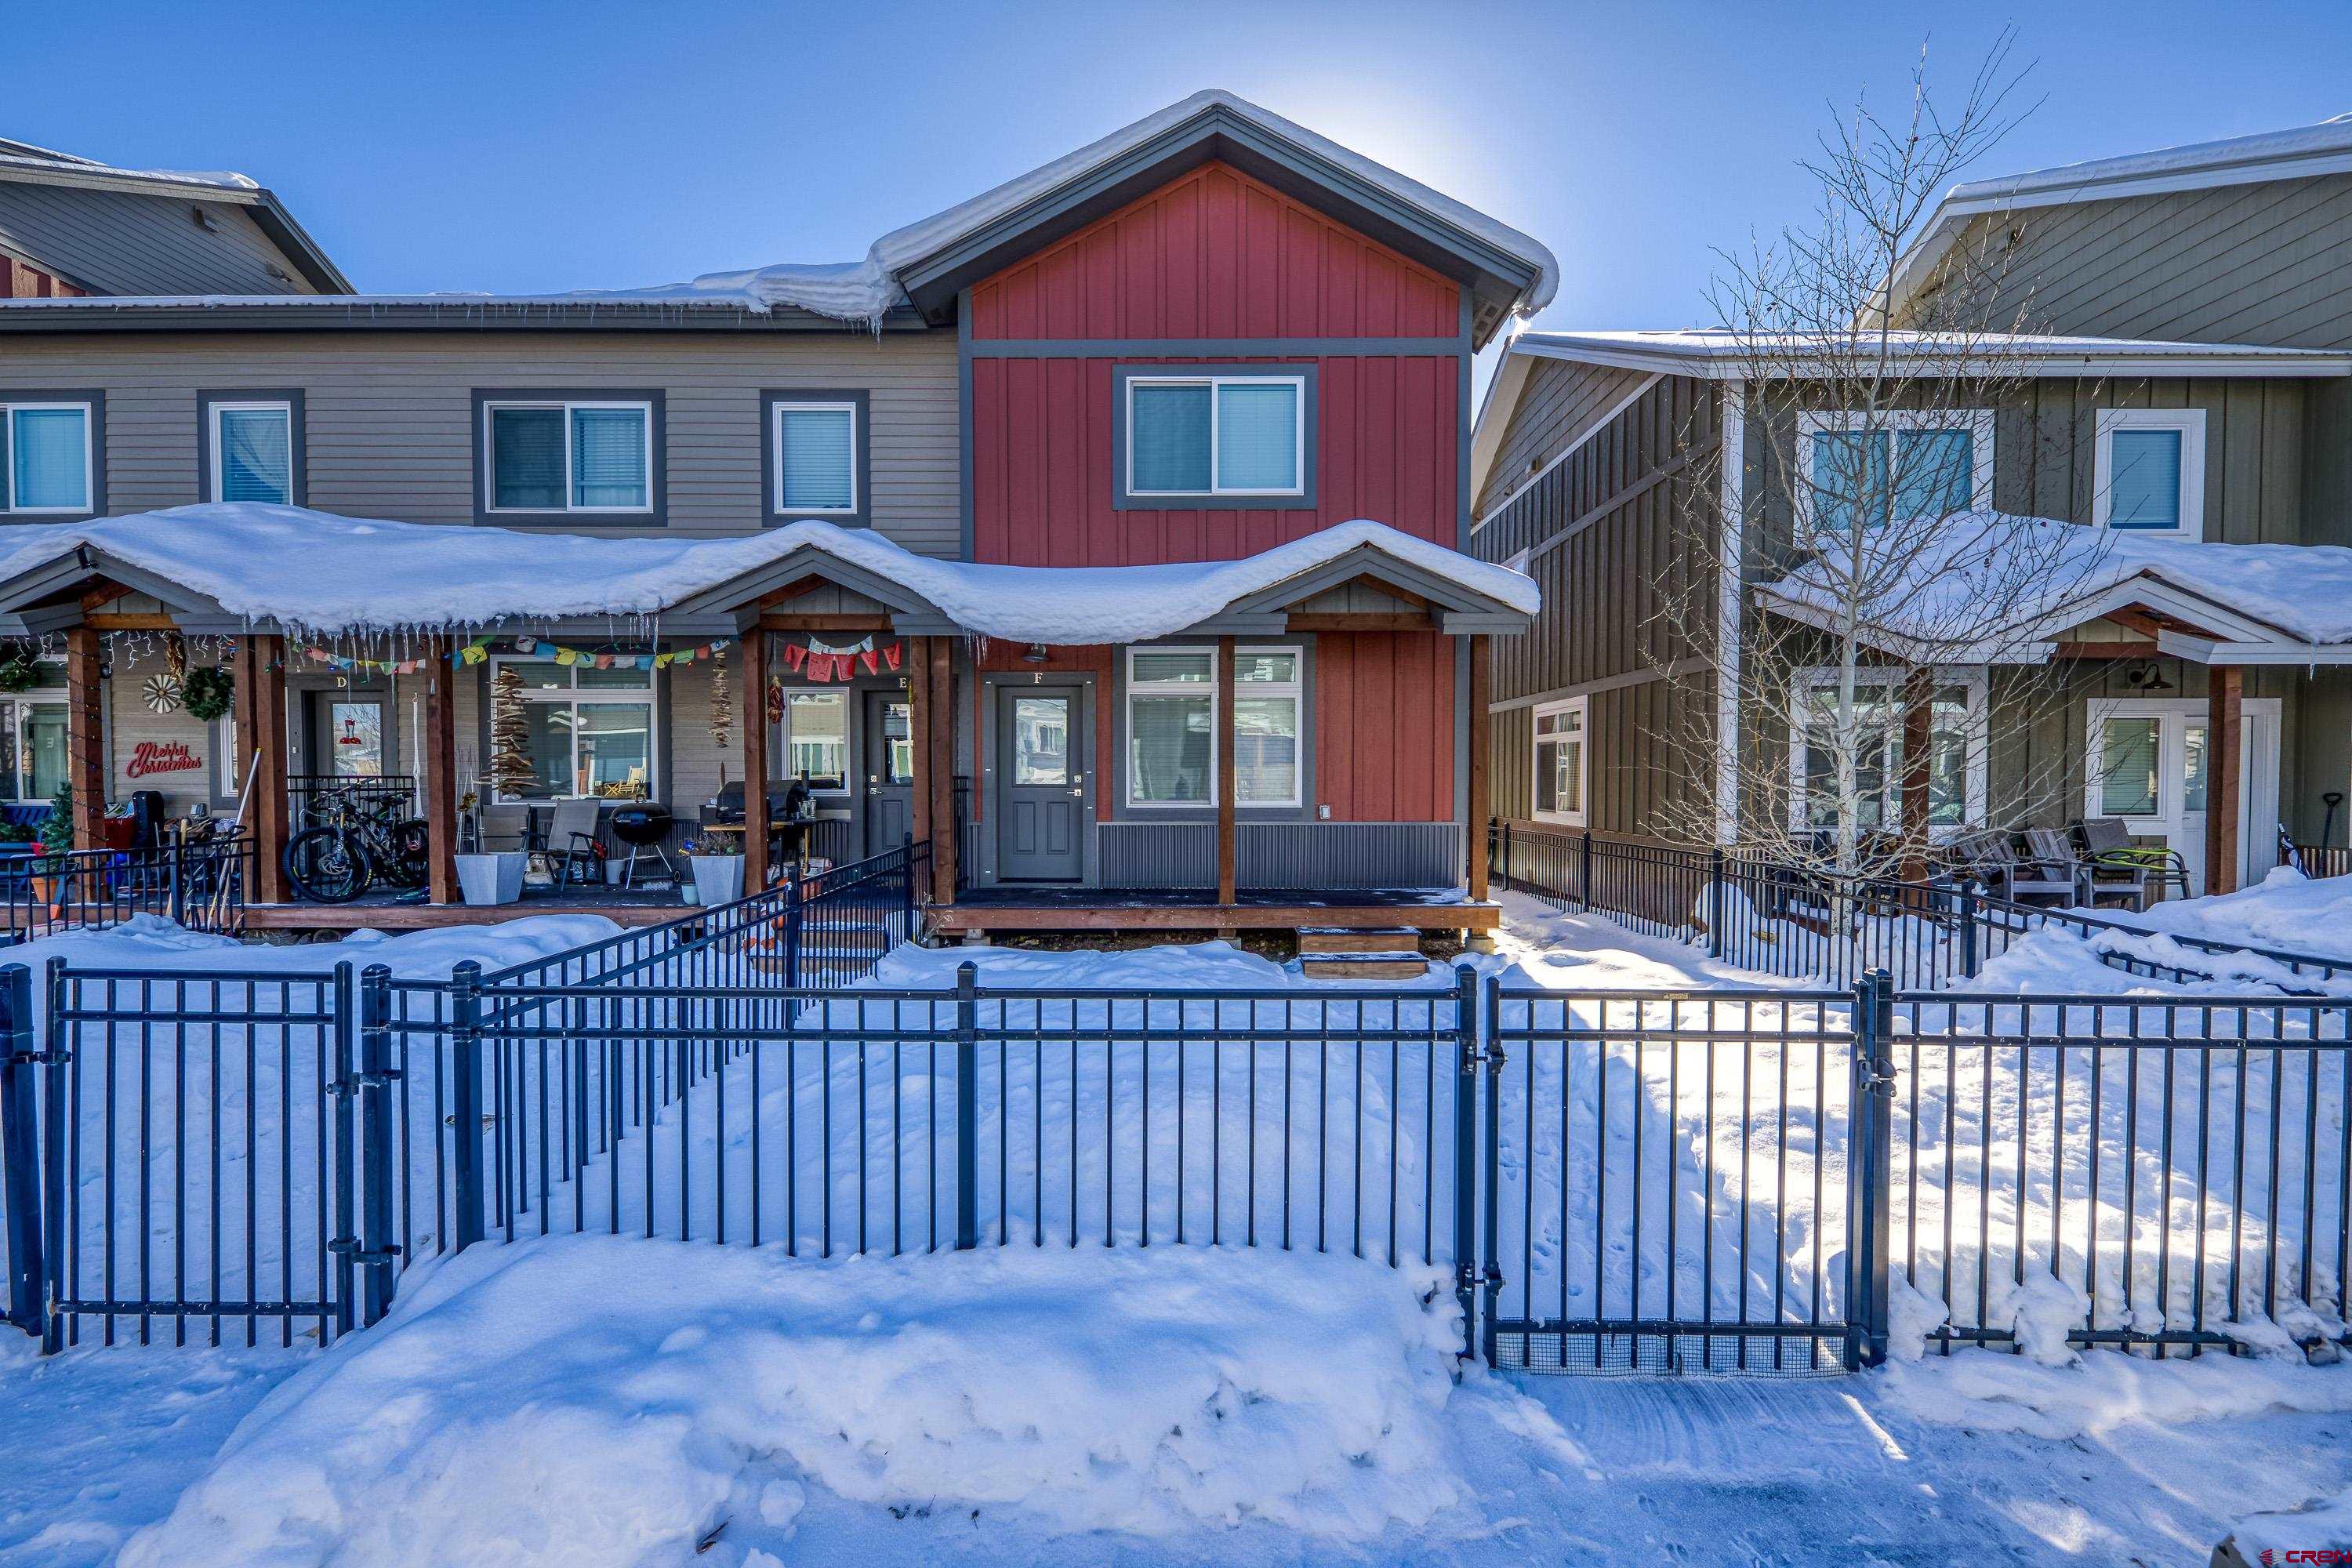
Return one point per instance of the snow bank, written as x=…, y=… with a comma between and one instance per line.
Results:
x=615, y=1401
x=865, y=290
x=2285, y=911
x=1995, y=1391
x=365, y=576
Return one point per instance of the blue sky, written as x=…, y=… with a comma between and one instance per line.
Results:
x=516, y=147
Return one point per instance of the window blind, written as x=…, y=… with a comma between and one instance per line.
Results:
x=1937, y=474
x=527, y=458
x=256, y=456
x=2144, y=479
x=48, y=463
x=608, y=457
x=1257, y=436
x=816, y=459
x=1169, y=441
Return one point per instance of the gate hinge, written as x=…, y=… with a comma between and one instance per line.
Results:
x=353, y=1082
x=1493, y=1277
x=54, y=1057
x=350, y=1247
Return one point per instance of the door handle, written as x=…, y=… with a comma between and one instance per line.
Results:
x=1081, y=790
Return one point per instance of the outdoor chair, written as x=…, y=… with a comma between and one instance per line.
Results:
x=1993, y=860
x=564, y=844
x=2053, y=849
x=2117, y=866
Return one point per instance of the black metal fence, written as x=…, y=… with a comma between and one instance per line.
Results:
x=202, y=886
x=319, y=799
x=1776, y=919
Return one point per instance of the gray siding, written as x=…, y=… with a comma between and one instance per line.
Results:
x=2243, y=264
x=117, y=242
x=1560, y=402
x=390, y=417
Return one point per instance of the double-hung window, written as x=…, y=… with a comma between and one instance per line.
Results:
x=2149, y=476
x=1559, y=757
x=1194, y=436
x=1866, y=470
x=1172, y=726
x=816, y=455
x=588, y=730
x=49, y=464
x=568, y=456
x=1870, y=734
x=250, y=445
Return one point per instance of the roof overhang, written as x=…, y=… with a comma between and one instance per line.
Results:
x=262, y=205
x=1453, y=608
x=1495, y=280
x=734, y=606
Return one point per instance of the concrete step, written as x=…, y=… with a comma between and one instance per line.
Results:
x=1348, y=966
x=1369, y=939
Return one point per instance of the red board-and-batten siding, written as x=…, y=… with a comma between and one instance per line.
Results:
x=1217, y=254
x=23, y=282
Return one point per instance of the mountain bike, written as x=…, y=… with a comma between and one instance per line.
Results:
x=355, y=844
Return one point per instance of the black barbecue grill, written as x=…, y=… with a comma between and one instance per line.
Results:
x=642, y=824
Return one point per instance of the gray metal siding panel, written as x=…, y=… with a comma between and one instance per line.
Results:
x=389, y=417
x=1558, y=403
x=1277, y=857
x=120, y=243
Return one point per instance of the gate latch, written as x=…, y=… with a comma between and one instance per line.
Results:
x=349, y=1247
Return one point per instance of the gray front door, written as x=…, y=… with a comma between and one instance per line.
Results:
x=1041, y=741
x=890, y=770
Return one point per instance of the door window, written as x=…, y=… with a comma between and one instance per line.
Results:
x=897, y=743
x=2130, y=755
x=1041, y=741
x=355, y=740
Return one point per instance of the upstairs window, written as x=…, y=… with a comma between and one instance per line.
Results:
x=1863, y=470
x=569, y=455
x=817, y=455
x=250, y=444
x=47, y=465
x=1194, y=436
x=2150, y=473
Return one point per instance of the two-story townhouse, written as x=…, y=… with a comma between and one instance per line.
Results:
x=1211, y=354
x=2188, y=333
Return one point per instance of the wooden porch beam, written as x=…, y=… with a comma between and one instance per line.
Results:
x=2105, y=651
x=2225, y=692
x=919, y=730
x=260, y=681
x=439, y=744
x=1361, y=621
x=939, y=779
x=86, y=768
x=1225, y=868
x=1481, y=802
x=775, y=621
x=128, y=621
x=755, y=762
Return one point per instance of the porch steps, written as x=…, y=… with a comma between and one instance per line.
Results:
x=1346, y=966
x=1367, y=939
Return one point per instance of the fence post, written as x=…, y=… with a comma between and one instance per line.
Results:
x=377, y=1248
x=906, y=856
x=1465, y=1149
x=792, y=918
x=53, y=1159
x=1969, y=959
x=1584, y=875
x=20, y=1158
x=1871, y=1107
x=1502, y=855
x=344, y=1087
x=1714, y=902
x=179, y=883
x=1491, y=1273
x=967, y=1033
x=466, y=1099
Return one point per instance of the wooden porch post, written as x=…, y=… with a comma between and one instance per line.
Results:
x=1481, y=802
x=1226, y=888
x=939, y=782
x=2225, y=691
x=86, y=768
x=440, y=747
x=755, y=760
x=1918, y=738
x=261, y=732
x=918, y=733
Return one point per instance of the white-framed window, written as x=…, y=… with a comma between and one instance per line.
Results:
x=815, y=458
x=568, y=456
x=252, y=451
x=589, y=731
x=815, y=738
x=1895, y=465
x=1172, y=726
x=1957, y=741
x=1212, y=435
x=33, y=736
x=2149, y=476
x=1560, y=753
x=47, y=462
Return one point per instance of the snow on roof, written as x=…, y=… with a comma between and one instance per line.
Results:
x=1953, y=570
x=1712, y=349
x=864, y=291
x=359, y=574
x=26, y=158
x=2227, y=157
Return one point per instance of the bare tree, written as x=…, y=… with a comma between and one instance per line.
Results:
x=1891, y=587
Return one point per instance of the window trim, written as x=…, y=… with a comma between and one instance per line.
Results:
x=1976, y=796
x=653, y=514
x=1126, y=498
x=93, y=452
x=209, y=408
x=1978, y=422
x=575, y=697
x=1583, y=815
x=785, y=773
x=2191, y=422
x=1296, y=689
x=12, y=713
x=773, y=401
x=1131, y=689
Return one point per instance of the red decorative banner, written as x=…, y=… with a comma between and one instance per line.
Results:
x=151, y=757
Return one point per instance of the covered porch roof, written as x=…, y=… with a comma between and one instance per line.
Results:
x=1976, y=601
x=235, y=568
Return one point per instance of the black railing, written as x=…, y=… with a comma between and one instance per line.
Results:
x=312, y=799
x=202, y=886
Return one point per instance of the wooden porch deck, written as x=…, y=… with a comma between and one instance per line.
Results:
x=389, y=912
x=978, y=911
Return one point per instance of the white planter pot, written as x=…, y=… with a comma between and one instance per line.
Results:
x=615, y=867
x=717, y=878
x=492, y=878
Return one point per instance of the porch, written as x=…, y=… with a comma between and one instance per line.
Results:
x=998, y=911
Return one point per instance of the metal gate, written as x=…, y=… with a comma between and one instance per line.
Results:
x=1670, y=1180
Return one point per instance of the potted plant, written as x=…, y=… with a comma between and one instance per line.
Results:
x=716, y=861
x=55, y=840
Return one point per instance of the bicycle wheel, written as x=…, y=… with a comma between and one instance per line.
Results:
x=326, y=866
x=403, y=855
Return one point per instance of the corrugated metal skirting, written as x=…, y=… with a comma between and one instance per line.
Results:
x=1272, y=854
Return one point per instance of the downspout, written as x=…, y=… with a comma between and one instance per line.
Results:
x=1730, y=588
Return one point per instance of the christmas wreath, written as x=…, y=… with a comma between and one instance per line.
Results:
x=206, y=694
x=16, y=674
